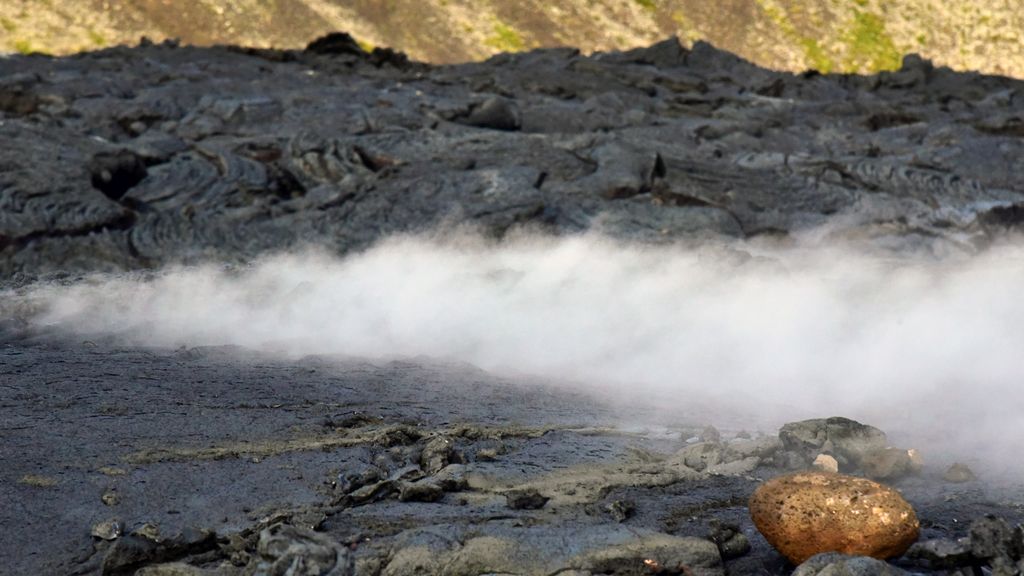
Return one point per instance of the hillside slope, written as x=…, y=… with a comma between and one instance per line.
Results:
x=828, y=35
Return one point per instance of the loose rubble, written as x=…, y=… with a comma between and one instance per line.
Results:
x=731, y=542
x=991, y=543
x=843, y=445
x=825, y=463
x=294, y=551
x=393, y=496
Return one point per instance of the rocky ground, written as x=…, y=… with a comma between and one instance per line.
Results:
x=218, y=461
x=136, y=158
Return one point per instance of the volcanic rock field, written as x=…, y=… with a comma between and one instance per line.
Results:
x=121, y=456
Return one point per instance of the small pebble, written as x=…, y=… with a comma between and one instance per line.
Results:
x=826, y=463
x=622, y=510
x=110, y=498
x=148, y=531
x=107, y=530
x=487, y=454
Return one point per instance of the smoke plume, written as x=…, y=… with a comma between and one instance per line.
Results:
x=926, y=347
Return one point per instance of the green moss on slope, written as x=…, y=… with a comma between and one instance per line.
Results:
x=815, y=55
x=23, y=47
x=505, y=39
x=870, y=46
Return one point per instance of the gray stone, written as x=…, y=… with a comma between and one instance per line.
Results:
x=130, y=552
x=623, y=171
x=140, y=548
x=287, y=550
x=525, y=499
x=422, y=491
x=764, y=447
x=372, y=492
x=959, y=473
x=657, y=554
x=735, y=467
x=703, y=455
x=494, y=113
x=359, y=476
x=825, y=463
x=451, y=478
x=941, y=553
x=735, y=547
x=991, y=537
x=621, y=510
x=847, y=440
x=836, y=564
x=110, y=498
x=792, y=460
x=107, y=529
x=437, y=453
x=888, y=464
x=149, y=531
x=172, y=569
x=731, y=541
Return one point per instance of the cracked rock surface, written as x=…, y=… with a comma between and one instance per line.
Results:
x=133, y=158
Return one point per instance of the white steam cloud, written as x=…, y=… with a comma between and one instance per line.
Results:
x=931, y=349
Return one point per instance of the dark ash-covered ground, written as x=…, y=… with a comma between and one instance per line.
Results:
x=228, y=441
x=133, y=159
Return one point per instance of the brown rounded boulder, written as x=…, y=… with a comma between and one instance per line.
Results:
x=807, y=513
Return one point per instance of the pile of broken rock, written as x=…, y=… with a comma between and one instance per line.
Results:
x=823, y=522
x=832, y=523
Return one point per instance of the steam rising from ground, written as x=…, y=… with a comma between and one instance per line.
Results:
x=932, y=348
